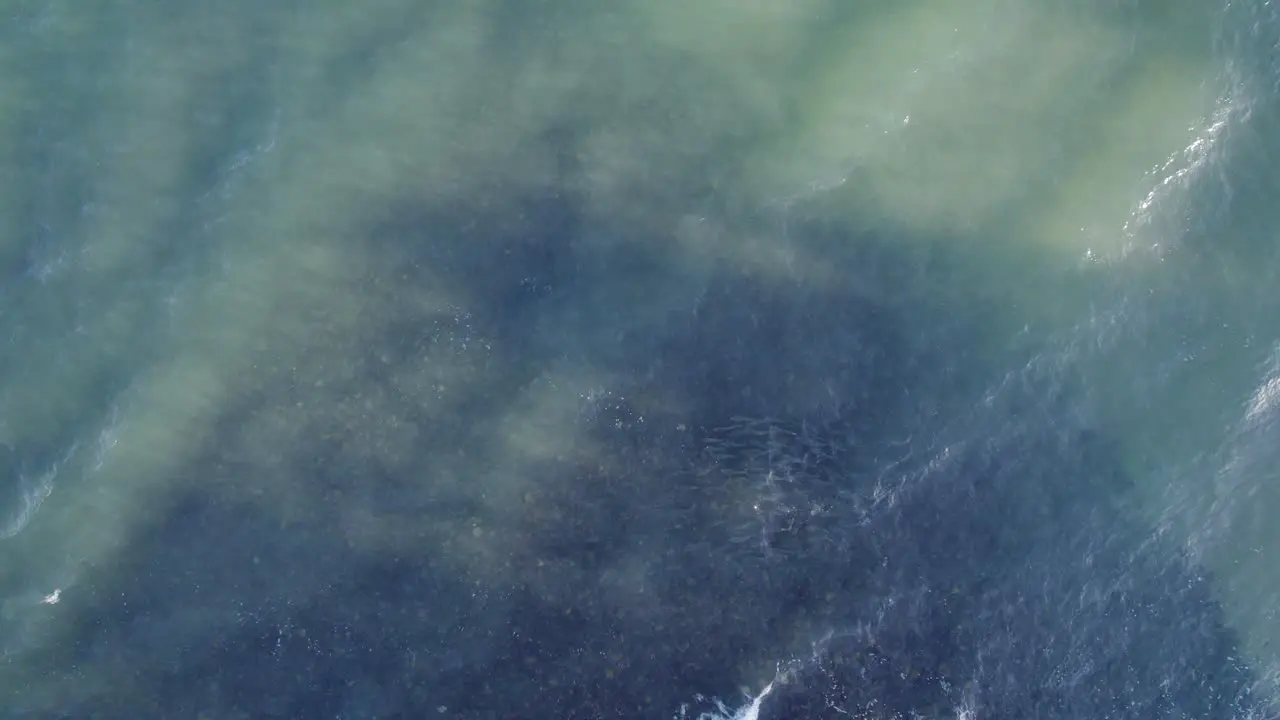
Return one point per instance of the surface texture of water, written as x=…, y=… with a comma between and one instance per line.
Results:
x=581, y=360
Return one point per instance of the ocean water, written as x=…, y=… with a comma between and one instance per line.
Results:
x=738, y=359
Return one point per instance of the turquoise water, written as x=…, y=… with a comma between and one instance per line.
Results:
x=584, y=359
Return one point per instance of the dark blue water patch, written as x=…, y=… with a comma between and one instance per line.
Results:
x=1009, y=575
x=753, y=350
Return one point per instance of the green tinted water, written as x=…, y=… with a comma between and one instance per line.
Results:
x=204, y=214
